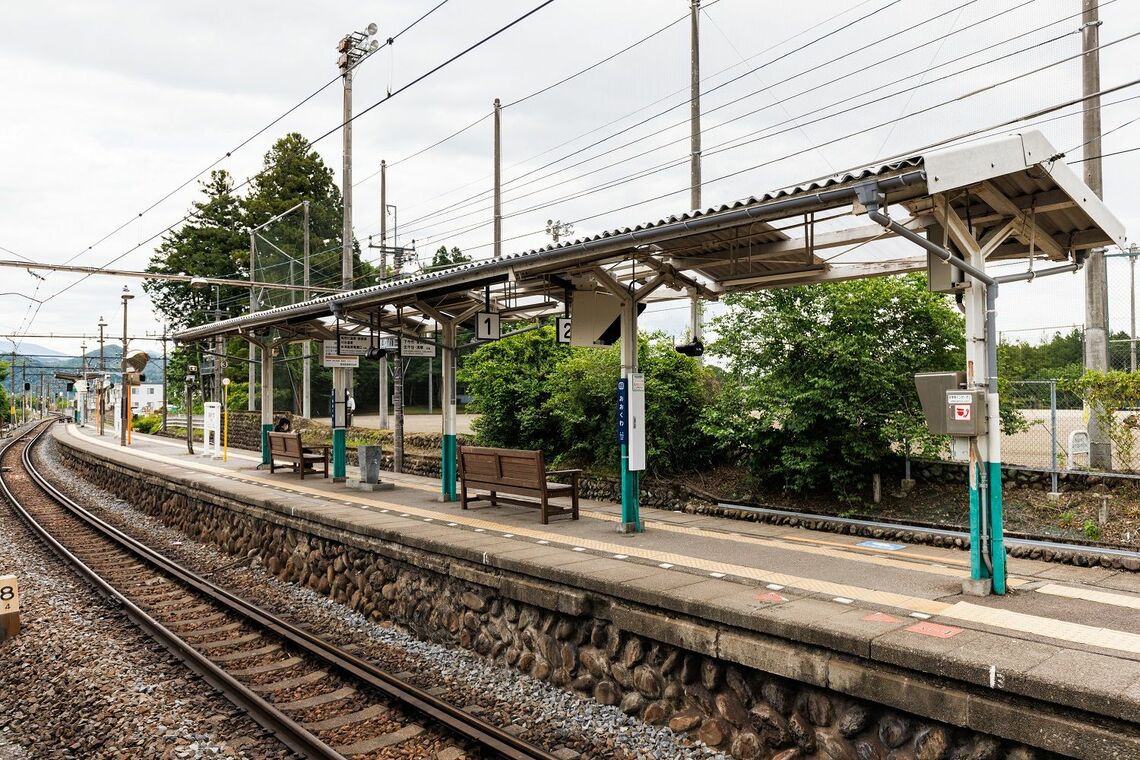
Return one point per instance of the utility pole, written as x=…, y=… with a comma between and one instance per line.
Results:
x=102, y=407
x=498, y=233
x=1132, y=309
x=384, y=276
x=12, y=388
x=695, y=317
x=307, y=347
x=353, y=48
x=1096, y=275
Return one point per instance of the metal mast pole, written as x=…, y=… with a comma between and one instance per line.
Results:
x=12, y=389
x=124, y=399
x=251, y=377
x=498, y=232
x=695, y=317
x=307, y=350
x=165, y=363
x=1096, y=279
x=102, y=407
x=383, y=407
x=1132, y=310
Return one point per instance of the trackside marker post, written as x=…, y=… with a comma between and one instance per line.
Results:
x=9, y=607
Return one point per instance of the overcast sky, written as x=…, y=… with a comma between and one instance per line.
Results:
x=108, y=106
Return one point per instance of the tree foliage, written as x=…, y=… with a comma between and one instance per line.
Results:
x=210, y=244
x=1114, y=398
x=821, y=377
x=532, y=392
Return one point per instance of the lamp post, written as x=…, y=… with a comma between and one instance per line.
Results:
x=225, y=419
x=101, y=408
x=124, y=390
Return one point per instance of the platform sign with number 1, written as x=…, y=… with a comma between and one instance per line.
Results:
x=562, y=329
x=487, y=325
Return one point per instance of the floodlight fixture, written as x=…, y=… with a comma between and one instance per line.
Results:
x=371, y=28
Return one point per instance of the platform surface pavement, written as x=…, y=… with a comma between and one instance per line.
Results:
x=1064, y=634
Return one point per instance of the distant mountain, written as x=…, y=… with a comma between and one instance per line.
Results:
x=6, y=347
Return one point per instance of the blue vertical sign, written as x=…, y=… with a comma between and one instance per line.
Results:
x=623, y=411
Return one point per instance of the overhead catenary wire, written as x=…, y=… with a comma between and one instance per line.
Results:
x=739, y=142
x=229, y=153
x=332, y=131
x=481, y=196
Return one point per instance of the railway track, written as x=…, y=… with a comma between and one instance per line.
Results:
x=319, y=700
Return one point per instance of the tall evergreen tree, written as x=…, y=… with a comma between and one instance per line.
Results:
x=210, y=244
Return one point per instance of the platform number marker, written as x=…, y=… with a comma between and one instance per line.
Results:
x=9, y=594
x=562, y=329
x=487, y=325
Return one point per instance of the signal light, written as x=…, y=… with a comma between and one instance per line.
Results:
x=27, y=386
x=696, y=348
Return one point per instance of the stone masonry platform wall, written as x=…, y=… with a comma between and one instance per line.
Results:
x=752, y=695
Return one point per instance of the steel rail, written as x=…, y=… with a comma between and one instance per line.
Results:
x=458, y=721
x=289, y=732
x=934, y=530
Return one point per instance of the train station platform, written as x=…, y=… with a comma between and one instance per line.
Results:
x=882, y=621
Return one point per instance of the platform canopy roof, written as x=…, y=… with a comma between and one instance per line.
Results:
x=1016, y=189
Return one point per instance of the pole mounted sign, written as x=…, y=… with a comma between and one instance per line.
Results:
x=631, y=418
x=330, y=357
x=410, y=347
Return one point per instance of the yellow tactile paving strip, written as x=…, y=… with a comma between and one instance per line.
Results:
x=961, y=611
x=848, y=552
x=1092, y=595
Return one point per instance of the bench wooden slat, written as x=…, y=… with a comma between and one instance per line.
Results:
x=515, y=472
x=288, y=446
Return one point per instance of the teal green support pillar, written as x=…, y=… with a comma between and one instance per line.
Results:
x=630, y=494
x=977, y=567
x=266, y=401
x=997, y=534
x=338, y=454
x=450, y=398
x=266, y=428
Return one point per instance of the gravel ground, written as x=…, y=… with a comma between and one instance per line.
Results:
x=534, y=710
x=80, y=681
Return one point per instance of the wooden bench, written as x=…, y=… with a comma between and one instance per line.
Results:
x=517, y=472
x=288, y=446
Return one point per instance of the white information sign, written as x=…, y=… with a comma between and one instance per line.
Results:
x=350, y=345
x=562, y=328
x=330, y=358
x=636, y=421
x=487, y=325
x=410, y=347
x=212, y=429
x=9, y=594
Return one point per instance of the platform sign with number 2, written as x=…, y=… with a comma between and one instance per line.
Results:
x=9, y=594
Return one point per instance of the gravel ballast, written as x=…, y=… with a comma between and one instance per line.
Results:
x=539, y=712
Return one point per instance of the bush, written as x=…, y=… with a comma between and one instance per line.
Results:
x=148, y=423
x=533, y=393
x=821, y=385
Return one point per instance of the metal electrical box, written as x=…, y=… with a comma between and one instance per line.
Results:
x=949, y=407
x=932, y=388
x=966, y=412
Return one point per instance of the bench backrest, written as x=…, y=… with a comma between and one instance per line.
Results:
x=511, y=467
x=285, y=443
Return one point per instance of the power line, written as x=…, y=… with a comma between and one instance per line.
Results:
x=378, y=103
x=470, y=200
x=741, y=141
x=252, y=137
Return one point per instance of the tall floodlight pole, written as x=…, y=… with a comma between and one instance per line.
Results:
x=101, y=408
x=1096, y=275
x=353, y=48
x=498, y=202
x=1132, y=310
x=695, y=317
x=251, y=377
x=124, y=398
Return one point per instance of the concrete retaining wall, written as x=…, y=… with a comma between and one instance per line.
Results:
x=750, y=694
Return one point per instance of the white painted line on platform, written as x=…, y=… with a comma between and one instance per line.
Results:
x=717, y=575
x=1091, y=595
x=544, y=543
x=579, y=548
x=843, y=600
x=508, y=535
x=621, y=556
x=453, y=525
x=918, y=607
x=775, y=587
